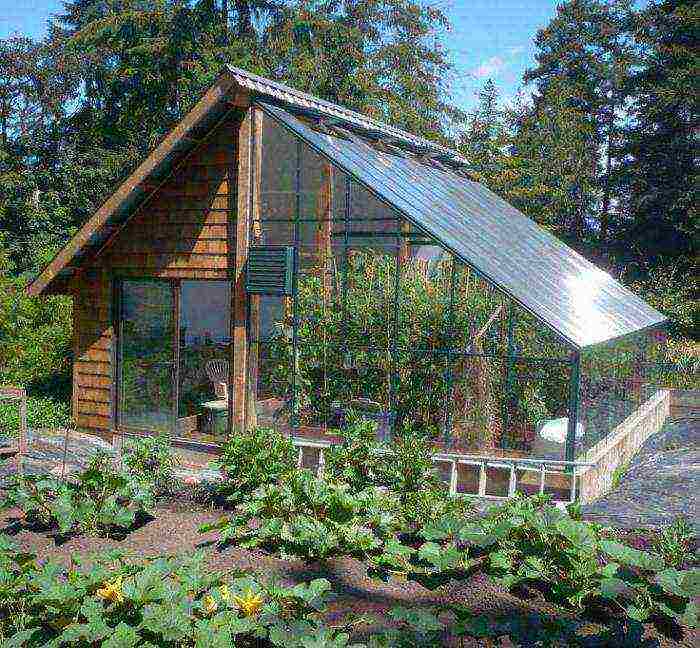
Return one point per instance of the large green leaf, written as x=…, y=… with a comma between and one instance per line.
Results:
x=578, y=533
x=631, y=557
x=685, y=584
x=442, y=558
x=123, y=636
x=477, y=536
x=612, y=588
x=446, y=527
x=168, y=621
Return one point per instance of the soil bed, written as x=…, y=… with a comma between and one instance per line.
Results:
x=174, y=530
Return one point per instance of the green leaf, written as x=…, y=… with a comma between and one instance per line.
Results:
x=123, y=636
x=476, y=536
x=446, y=527
x=637, y=613
x=21, y=639
x=480, y=627
x=685, y=584
x=441, y=558
x=168, y=621
x=632, y=557
x=612, y=588
x=500, y=560
x=610, y=570
x=418, y=619
x=578, y=533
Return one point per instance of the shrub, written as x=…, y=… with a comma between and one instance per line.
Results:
x=360, y=460
x=42, y=412
x=101, y=500
x=302, y=515
x=408, y=465
x=151, y=461
x=254, y=459
x=164, y=601
x=35, y=337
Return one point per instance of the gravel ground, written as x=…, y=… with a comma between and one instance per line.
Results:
x=661, y=482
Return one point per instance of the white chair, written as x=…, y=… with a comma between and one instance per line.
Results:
x=217, y=372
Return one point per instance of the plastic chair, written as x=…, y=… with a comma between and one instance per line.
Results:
x=217, y=371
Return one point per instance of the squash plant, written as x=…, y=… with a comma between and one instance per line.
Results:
x=116, y=602
x=100, y=500
x=302, y=515
x=529, y=542
x=248, y=461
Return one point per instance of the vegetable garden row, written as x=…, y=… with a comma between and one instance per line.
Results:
x=382, y=505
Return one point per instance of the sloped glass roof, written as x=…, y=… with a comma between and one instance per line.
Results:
x=568, y=293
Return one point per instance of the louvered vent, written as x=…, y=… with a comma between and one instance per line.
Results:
x=270, y=270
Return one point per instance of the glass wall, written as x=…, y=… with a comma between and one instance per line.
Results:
x=204, y=348
x=385, y=324
x=167, y=372
x=616, y=377
x=146, y=355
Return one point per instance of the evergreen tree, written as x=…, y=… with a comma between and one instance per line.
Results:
x=588, y=44
x=485, y=136
x=660, y=174
x=540, y=156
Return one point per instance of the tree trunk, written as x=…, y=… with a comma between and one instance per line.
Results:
x=605, y=213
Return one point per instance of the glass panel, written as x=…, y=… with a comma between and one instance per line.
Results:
x=146, y=355
x=614, y=383
x=205, y=347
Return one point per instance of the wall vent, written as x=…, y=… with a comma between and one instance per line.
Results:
x=270, y=270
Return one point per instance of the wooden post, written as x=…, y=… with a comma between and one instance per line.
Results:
x=254, y=300
x=404, y=249
x=239, y=301
x=324, y=228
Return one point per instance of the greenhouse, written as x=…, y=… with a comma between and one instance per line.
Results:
x=421, y=300
x=280, y=261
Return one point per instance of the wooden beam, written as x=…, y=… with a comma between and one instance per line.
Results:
x=324, y=211
x=404, y=250
x=254, y=300
x=239, y=333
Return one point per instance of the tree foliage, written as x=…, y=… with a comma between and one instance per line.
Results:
x=603, y=155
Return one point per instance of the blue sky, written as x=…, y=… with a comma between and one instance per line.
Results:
x=488, y=38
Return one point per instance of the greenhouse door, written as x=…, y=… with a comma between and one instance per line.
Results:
x=147, y=367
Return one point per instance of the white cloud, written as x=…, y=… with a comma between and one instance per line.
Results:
x=492, y=66
x=489, y=68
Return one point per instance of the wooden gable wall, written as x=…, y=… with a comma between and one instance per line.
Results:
x=186, y=230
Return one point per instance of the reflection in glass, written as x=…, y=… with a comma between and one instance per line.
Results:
x=146, y=355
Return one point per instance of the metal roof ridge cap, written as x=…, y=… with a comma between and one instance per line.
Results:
x=348, y=113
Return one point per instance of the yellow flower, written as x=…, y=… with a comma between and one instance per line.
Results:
x=225, y=594
x=250, y=603
x=209, y=604
x=112, y=591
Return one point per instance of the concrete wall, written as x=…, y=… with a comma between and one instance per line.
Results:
x=623, y=442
